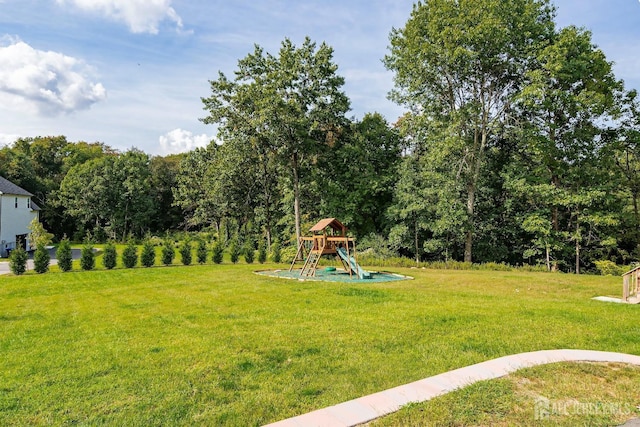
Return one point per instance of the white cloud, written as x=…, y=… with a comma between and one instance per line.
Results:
x=7, y=138
x=141, y=16
x=45, y=82
x=180, y=141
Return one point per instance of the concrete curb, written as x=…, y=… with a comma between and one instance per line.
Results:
x=367, y=408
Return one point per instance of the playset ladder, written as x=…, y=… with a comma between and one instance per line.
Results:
x=310, y=265
x=309, y=268
x=301, y=255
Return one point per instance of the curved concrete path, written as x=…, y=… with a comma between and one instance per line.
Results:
x=367, y=408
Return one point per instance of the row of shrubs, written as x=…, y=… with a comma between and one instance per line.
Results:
x=146, y=258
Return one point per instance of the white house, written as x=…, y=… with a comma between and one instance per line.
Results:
x=17, y=210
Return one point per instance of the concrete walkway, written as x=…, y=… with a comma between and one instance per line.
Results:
x=367, y=408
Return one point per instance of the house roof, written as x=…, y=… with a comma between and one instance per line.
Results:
x=328, y=222
x=8, y=187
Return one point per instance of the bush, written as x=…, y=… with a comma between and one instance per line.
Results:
x=218, y=252
x=276, y=255
x=288, y=253
x=168, y=251
x=606, y=268
x=38, y=236
x=262, y=252
x=185, y=252
x=110, y=257
x=249, y=254
x=202, y=251
x=377, y=245
x=18, y=261
x=234, y=252
x=87, y=257
x=148, y=255
x=130, y=255
x=63, y=255
x=41, y=259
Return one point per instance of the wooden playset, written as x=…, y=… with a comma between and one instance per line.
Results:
x=329, y=237
x=630, y=286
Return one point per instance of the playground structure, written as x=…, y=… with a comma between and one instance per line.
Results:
x=630, y=287
x=329, y=237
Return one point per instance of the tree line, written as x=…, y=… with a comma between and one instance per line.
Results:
x=518, y=145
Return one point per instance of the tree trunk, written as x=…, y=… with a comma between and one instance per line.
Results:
x=268, y=218
x=468, y=244
x=266, y=191
x=268, y=232
x=479, y=143
x=555, y=214
x=415, y=228
x=577, y=247
x=296, y=196
x=634, y=196
x=548, y=254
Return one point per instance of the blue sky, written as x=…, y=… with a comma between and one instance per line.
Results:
x=132, y=72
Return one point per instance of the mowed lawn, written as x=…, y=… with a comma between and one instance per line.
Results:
x=220, y=345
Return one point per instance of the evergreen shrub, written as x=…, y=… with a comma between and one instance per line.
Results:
x=18, y=261
x=130, y=255
x=63, y=255
x=41, y=259
x=110, y=257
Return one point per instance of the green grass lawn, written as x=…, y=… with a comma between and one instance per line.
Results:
x=577, y=394
x=219, y=345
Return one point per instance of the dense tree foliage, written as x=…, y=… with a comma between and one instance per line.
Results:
x=458, y=65
x=286, y=106
x=507, y=136
x=518, y=145
x=112, y=194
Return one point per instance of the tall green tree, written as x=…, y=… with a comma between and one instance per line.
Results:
x=39, y=165
x=111, y=194
x=458, y=64
x=290, y=103
x=623, y=149
x=136, y=204
x=88, y=192
x=164, y=176
x=193, y=193
x=564, y=102
x=356, y=178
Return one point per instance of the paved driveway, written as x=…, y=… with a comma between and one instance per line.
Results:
x=4, y=263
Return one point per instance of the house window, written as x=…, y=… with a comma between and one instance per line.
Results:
x=16, y=203
x=28, y=203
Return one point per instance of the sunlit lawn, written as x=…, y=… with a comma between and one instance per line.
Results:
x=219, y=345
x=559, y=394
